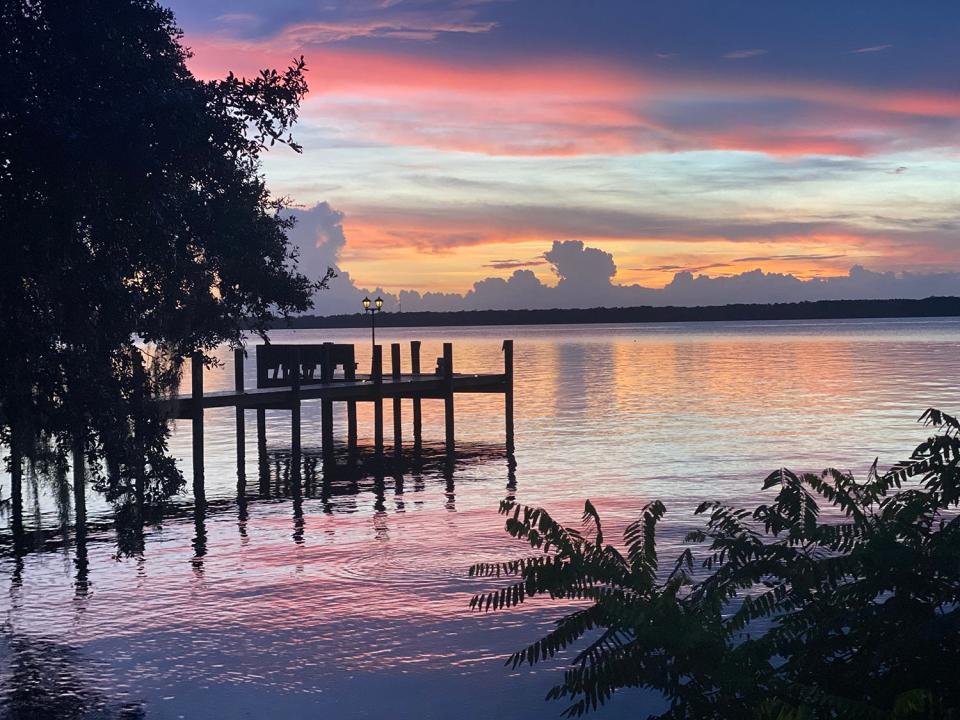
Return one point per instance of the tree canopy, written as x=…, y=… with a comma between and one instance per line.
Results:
x=132, y=206
x=791, y=616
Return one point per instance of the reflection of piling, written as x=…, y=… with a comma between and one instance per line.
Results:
x=196, y=381
x=417, y=410
x=200, y=536
x=397, y=411
x=511, y=475
x=448, y=394
x=376, y=376
x=450, y=490
x=298, y=523
x=81, y=562
x=379, y=492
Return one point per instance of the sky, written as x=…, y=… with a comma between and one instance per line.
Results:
x=496, y=153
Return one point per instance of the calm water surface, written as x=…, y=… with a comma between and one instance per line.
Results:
x=353, y=601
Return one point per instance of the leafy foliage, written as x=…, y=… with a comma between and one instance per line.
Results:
x=791, y=615
x=131, y=205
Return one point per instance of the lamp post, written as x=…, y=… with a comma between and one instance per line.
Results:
x=377, y=307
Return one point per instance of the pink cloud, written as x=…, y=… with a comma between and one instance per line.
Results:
x=571, y=106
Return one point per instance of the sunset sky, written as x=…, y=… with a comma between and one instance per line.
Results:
x=460, y=138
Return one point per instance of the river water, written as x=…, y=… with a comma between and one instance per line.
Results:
x=352, y=602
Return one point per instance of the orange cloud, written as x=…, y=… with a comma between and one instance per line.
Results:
x=444, y=254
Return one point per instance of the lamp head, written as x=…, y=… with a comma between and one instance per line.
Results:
x=379, y=302
x=366, y=303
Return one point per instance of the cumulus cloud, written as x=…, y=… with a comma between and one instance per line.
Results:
x=585, y=278
x=319, y=238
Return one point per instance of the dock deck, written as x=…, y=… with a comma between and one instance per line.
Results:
x=363, y=388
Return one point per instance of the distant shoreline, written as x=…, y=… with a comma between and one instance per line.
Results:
x=817, y=310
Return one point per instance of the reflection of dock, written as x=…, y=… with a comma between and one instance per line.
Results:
x=363, y=469
x=391, y=483
x=288, y=375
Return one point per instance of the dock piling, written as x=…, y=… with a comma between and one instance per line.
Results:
x=376, y=376
x=508, y=393
x=417, y=409
x=326, y=406
x=263, y=463
x=238, y=384
x=295, y=454
x=448, y=395
x=196, y=383
x=397, y=410
x=350, y=373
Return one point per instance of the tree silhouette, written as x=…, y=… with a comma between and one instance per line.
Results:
x=790, y=617
x=132, y=205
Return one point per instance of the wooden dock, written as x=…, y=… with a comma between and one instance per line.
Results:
x=289, y=375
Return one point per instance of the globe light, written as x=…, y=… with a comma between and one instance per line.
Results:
x=366, y=303
x=379, y=302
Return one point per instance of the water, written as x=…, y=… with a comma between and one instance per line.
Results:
x=353, y=602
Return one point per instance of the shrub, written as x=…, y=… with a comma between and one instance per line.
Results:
x=791, y=616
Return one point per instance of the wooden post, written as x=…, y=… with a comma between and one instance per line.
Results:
x=397, y=411
x=263, y=464
x=295, y=456
x=417, y=410
x=326, y=406
x=350, y=373
x=376, y=375
x=238, y=385
x=196, y=379
x=448, y=394
x=508, y=393
x=79, y=484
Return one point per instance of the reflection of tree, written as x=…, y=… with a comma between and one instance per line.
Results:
x=47, y=680
x=130, y=537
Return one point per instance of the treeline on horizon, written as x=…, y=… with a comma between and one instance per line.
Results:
x=808, y=310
